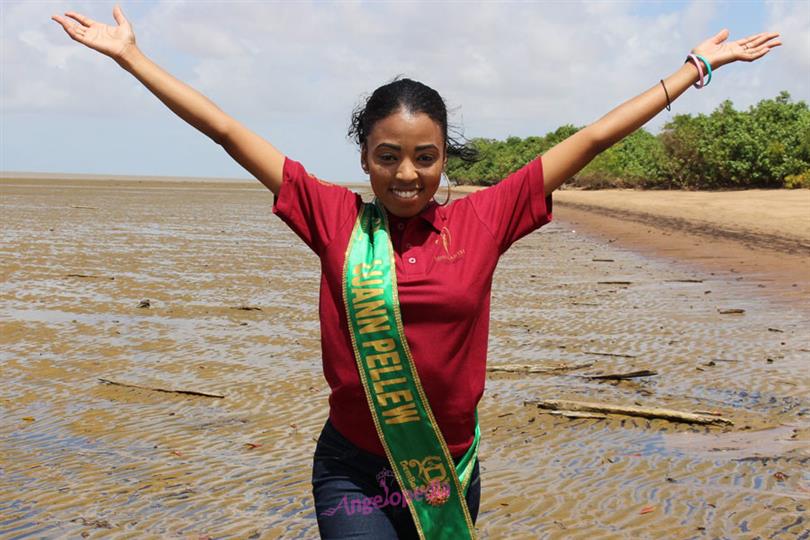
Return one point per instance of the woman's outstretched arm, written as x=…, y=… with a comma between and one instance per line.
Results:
x=252, y=152
x=569, y=157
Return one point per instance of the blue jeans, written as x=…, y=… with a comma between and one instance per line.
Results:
x=345, y=482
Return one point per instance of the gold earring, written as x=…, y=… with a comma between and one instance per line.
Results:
x=447, y=199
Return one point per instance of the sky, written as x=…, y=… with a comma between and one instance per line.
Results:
x=293, y=71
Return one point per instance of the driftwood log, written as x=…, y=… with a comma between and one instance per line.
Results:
x=575, y=414
x=622, y=376
x=531, y=368
x=166, y=390
x=628, y=410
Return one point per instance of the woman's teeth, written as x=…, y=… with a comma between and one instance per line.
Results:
x=405, y=193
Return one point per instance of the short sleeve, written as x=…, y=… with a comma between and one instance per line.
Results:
x=514, y=207
x=314, y=209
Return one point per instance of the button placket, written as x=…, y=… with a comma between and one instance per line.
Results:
x=411, y=252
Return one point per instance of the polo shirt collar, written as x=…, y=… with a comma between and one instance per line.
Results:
x=432, y=214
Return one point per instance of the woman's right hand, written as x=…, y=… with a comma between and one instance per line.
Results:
x=113, y=41
x=251, y=151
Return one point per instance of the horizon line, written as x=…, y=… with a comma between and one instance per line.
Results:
x=34, y=175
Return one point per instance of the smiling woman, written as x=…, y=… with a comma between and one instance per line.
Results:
x=404, y=144
x=405, y=286
x=404, y=158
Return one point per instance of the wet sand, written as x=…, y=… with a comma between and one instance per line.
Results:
x=233, y=311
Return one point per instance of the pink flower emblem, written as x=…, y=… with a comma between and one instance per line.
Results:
x=437, y=494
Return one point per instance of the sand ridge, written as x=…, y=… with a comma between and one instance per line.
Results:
x=771, y=219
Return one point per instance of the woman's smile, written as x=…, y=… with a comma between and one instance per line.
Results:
x=406, y=194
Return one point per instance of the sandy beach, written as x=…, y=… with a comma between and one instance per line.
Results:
x=763, y=234
x=709, y=292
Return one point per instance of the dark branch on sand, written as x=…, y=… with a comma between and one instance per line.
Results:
x=166, y=390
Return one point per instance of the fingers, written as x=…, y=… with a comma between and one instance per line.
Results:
x=75, y=31
x=758, y=45
x=752, y=52
x=762, y=50
x=721, y=36
x=752, y=37
x=767, y=37
x=763, y=38
x=118, y=15
x=756, y=40
x=86, y=21
x=759, y=53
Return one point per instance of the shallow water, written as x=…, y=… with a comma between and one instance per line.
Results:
x=80, y=456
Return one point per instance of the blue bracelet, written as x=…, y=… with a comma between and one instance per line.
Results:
x=708, y=69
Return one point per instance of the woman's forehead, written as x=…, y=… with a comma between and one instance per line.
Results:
x=407, y=127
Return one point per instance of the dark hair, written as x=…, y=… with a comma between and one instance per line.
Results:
x=414, y=97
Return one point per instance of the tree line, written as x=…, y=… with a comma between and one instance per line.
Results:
x=767, y=146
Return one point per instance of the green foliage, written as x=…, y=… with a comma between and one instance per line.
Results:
x=798, y=181
x=499, y=158
x=761, y=147
x=729, y=148
x=636, y=161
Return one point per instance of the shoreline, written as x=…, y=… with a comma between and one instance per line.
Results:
x=24, y=179
x=37, y=177
x=745, y=247
x=19, y=179
x=779, y=214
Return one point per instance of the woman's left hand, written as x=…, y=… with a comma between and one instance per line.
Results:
x=720, y=52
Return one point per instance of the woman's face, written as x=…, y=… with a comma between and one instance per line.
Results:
x=404, y=156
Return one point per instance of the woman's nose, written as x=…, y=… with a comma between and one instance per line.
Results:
x=406, y=171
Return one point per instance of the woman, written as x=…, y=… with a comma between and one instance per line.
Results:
x=404, y=300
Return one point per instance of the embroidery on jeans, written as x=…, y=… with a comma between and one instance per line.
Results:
x=366, y=505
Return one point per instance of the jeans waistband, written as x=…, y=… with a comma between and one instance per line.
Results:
x=330, y=436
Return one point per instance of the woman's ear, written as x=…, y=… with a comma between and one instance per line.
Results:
x=363, y=161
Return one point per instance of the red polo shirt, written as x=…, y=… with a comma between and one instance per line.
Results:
x=445, y=258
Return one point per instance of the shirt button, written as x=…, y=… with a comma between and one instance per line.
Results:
x=408, y=246
x=400, y=226
x=412, y=260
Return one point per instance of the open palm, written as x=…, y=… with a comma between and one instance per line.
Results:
x=110, y=40
x=719, y=52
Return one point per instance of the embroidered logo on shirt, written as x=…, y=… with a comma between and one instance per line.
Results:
x=446, y=240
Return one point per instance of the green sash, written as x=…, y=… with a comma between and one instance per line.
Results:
x=432, y=485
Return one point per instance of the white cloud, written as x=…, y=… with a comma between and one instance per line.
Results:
x=43, y=69
x=513, y=67
x=52, y=55
x=792, y=19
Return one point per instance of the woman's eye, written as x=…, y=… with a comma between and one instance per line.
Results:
x=427, y=158
x=387, y=157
